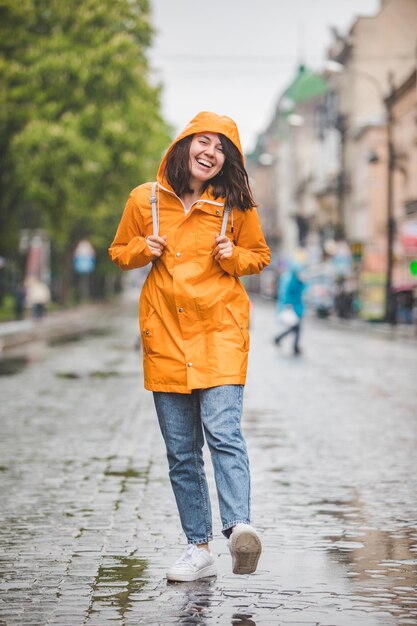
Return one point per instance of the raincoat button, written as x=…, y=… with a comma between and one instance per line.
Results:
x=147, y=332
x=217, y=212
x=181, y=310
x=189, y=364
x=178, y=254
x=199, y=205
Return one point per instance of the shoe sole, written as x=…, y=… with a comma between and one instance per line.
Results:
x=181, y=577
x=246, y=549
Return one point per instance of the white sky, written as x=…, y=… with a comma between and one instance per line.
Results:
x=235, y=57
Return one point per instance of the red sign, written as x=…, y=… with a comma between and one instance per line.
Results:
x=409, y=237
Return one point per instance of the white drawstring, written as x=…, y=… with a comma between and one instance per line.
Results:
x=157, y=203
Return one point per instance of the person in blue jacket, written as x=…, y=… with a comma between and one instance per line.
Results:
x=291, y=287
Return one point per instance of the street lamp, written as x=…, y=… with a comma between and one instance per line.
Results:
x=295, y=120
x=266, y=159
x=337, y=68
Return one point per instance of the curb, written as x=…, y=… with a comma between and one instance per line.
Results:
x=61, y=325
x=406, y=332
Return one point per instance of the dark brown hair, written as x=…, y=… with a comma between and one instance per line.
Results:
x=231, y=183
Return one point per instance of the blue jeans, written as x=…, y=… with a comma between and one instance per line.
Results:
x=183, y=418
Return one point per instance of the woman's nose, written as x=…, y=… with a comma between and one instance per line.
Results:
x=210, y=149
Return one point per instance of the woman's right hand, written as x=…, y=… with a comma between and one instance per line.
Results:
x=156, y=244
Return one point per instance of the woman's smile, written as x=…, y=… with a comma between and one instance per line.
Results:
x=204, y=163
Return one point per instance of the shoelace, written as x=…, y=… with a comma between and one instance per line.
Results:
x=189, y=556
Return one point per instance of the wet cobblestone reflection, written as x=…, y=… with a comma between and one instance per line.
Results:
x=88, y=520
x=116, y=583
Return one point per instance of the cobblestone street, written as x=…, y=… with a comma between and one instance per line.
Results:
x=88, y=520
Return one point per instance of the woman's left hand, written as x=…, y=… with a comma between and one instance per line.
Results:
x=223, y=248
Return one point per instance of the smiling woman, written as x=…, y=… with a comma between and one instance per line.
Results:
x=194, y=319
x=206, y=158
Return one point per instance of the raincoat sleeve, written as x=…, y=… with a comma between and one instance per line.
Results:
x=250, y=253
x=129, y=248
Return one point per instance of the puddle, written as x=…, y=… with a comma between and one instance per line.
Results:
x=241, y=619
x=126, y=475
x=383, y=567
x=129, y=473
x=104, y=374
x=70, y=375
x=99, y=331
x=79, y=375
x=63, y=340
x=116, y=583
x=9, y=366
x=78, y=335
x=196, y=600
x=338, y=508
x=34, y=352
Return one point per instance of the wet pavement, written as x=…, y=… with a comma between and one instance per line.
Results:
x=88, y=520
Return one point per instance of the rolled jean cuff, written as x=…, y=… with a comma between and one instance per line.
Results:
x=197, y=542
x=230, y=525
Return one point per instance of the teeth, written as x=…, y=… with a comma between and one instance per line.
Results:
x=205, y=163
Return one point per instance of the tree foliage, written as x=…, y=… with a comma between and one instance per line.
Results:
x=80, y=122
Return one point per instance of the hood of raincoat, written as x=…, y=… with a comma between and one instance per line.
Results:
x=204, y=122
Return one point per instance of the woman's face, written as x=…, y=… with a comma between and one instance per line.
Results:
x=206, y=158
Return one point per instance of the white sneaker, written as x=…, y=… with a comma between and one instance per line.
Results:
x=194, y=563
x=245, y=547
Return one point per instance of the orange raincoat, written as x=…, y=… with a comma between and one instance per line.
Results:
x=194, y=311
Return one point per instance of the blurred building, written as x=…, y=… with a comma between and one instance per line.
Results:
x=298, y=144
x=342, y=152
x=403, y=101
x=377, y=61
x=283, y=167
x=261, y=167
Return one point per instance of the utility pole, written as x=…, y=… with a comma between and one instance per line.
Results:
x=341, y=126
x=390, y=309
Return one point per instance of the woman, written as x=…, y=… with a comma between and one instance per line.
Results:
x=194, y=317
x=291, y=288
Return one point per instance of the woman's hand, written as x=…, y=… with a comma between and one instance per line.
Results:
x=223, y=248
x=156, y=244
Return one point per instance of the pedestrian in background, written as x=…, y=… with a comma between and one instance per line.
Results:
x=38, y=297
x=291, y=287
x=194, y=318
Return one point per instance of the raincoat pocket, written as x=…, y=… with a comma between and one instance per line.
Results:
x=151, y=338
x=240, y=324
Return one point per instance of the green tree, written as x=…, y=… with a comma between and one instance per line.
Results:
x=80, y=123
